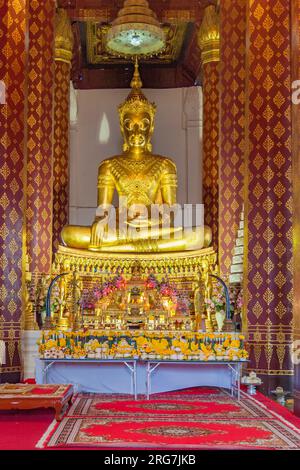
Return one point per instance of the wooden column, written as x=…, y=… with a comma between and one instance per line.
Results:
x=268, y=210
x=296, y=198
x=40, y=135
x=232, y=128
x=209, y=42
x=12, y=165
x=63, y=58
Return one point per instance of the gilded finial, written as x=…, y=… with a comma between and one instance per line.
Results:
x=64, y=38
x=136, y=100
x=136, y=82
x=209, y=35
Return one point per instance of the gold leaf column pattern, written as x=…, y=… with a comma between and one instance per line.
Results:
x=296, y=206
x=233, y=14
x=40, y=133
x=209, y=43
x=268, y=210
x=63, y=57
x=12, y=166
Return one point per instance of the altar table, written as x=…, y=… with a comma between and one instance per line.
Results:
x=233, y=369
x=110, y=376
x=130, y=365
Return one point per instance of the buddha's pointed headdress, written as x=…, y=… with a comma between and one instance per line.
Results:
x=136, y=101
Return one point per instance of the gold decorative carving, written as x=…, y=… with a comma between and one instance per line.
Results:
x=88, y=269
x=64, y=39
x=30, y=320
x=273, y=372
x=209, y=36
x=190, y=262
x=100, y=15
x=177, y=16
x=29, y=314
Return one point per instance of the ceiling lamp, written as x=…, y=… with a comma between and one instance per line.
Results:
x=136, y=31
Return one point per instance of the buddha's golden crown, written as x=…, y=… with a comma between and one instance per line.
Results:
x=136, y=101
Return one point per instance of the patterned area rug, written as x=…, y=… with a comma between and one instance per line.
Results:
x=191, y=419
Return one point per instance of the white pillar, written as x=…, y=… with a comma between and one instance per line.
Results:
x=74, y=155
x=193, y=124
x=30, y=352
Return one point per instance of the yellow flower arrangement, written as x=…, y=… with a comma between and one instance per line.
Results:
x=168, y=352
x=51, y=343
x=148, y=349
x=205, y=349
x=184, y=348
x=93, y=345
x=190, y=345
x=159, y=346
x=79, y=353
x=194, y=347
x=200, y=336
x=243, y=354
x=141, y=341
x=176, y=343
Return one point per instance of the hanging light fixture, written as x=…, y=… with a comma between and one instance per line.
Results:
x=136, y=31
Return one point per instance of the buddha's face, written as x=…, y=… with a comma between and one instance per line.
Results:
x=137, y=130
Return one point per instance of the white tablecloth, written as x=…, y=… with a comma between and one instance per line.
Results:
x=116, y=378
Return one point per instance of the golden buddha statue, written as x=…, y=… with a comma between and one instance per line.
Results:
x=141, y=180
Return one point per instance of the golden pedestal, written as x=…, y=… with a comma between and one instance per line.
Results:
x=186, y=271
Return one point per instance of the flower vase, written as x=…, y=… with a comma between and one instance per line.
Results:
x=220, y=319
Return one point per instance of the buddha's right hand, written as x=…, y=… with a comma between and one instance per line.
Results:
x=97, y=232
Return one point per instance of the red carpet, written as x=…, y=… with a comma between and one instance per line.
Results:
x=199, y=418
x=21, y=430
x=192, y=419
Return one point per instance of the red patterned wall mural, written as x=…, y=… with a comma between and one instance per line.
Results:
x=40, y=132
x=269, y=283
x=232, y=126
x=12, y=161
x=211, y=147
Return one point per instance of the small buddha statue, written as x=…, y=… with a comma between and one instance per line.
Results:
x=199, y=304
x=141, y=180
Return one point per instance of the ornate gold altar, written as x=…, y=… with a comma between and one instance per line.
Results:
x=134, y=305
